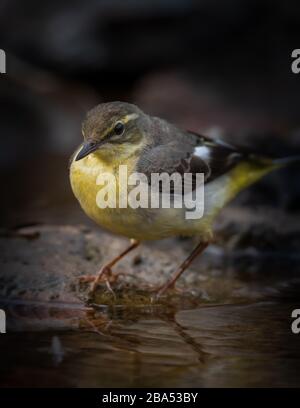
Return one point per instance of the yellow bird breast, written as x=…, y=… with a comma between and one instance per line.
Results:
x=83, y=177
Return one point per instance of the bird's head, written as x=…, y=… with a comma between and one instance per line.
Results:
x=113, y=130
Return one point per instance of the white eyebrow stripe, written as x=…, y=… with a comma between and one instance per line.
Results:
x=203, y=152
x=130, y=117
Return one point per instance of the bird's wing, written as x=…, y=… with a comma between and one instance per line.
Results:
x=195, y=154
x=219, y=156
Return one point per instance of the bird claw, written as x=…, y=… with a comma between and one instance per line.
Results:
x=105, y=276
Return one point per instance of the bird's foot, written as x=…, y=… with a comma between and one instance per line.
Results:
x=105, y=275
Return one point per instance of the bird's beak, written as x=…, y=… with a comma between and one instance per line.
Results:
x=87, y=148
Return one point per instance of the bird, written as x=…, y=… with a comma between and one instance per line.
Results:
x=120, y=134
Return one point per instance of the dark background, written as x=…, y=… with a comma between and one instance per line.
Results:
x=220, y=68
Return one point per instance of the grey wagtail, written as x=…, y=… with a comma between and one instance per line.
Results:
x=119, y=133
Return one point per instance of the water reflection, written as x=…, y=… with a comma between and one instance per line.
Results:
x=211, y=345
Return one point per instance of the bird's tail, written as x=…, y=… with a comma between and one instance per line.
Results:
x=253, y=169
x=286, y=161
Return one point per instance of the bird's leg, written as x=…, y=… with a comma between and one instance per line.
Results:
x=106, y=269
x=170, y=283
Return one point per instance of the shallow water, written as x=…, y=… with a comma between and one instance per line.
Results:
x=245, y=344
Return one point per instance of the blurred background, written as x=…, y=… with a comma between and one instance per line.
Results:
x=220, y=68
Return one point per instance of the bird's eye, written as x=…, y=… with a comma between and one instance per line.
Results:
x=119, y=128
